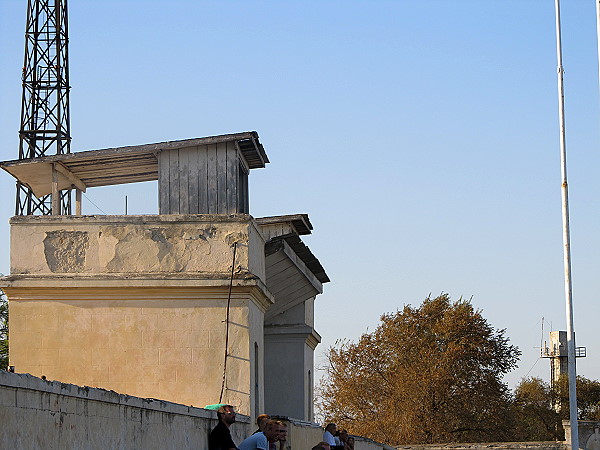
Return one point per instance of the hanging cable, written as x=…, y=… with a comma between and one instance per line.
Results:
x=529, y=371
x=227, y=323
x=90, y=200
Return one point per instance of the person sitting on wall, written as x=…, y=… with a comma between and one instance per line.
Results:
x=330, y=430
x=343, y=436
x=261, y=440
x=350, y=443
x=322, y=446
x=282, y=435
x=220, y=437
x=261, y=421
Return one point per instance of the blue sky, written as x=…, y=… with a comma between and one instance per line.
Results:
x=420, y=136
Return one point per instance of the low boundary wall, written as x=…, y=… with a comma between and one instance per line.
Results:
x=39, y=414
x=305, y=435
x=491, y=446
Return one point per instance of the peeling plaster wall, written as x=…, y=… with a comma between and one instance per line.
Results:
x=138, y=304
x=135, y=244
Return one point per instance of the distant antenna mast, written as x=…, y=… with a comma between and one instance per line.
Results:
x=45, y=128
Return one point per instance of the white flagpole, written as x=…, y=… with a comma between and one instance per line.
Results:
x=598, y=33
x=566, y=242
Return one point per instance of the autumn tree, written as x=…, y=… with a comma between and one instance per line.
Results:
x=3, y=331
x=425, y=375
x=540, y=408
x=588, y=397
x=536, y=418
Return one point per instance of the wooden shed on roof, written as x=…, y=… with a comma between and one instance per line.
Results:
x=206, y=175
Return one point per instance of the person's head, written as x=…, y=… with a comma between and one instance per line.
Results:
x=318, y=447
x=226, y=414
x=350, y=441
x=262, y=420
x=343, y=435
x=282, y=431
x=331, y=427
x=322, y=446
x=272, y=430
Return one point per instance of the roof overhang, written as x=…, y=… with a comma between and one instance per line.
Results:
x=118, y=165
x=294, y=274
x=300, y=222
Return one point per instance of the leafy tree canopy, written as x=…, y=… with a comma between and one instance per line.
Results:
x=540, y=408
x=426, y=375
x=588, y=397
x=536, y=418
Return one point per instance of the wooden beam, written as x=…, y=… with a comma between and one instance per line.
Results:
x=55, y=192
x=78, y=202
x=80, y=185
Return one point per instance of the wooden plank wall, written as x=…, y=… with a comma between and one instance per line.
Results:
x=200, y=180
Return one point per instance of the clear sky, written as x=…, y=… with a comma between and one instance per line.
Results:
x=420, y=136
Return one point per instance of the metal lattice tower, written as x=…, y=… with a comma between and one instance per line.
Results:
x=45, y=121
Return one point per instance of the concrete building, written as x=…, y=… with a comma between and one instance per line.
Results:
x=199, y=304
x=557, y=352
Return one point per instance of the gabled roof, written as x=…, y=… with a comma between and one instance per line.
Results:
x=303, y=252
x=118, y=165
x=300, y=222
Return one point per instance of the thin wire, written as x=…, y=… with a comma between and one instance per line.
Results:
x=536, y=361
x=90, y=200
x=227, y=323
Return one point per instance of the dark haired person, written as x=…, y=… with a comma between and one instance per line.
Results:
x=220, y=436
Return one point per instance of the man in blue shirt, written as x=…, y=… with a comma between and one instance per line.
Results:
x=260, y=441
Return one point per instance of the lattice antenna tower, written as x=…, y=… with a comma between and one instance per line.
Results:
x=45, y=122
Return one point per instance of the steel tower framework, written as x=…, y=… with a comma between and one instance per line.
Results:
x=45, y=121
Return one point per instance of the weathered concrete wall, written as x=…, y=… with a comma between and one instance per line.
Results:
x=167, y=344
x=491, y=446
x=589, y=433
x=305, y=435
x=36, y=414
x=137, y=304
x=135, y=244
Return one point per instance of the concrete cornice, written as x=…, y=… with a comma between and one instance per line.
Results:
x=293, y=332
x=39, y=290
x=133, y=219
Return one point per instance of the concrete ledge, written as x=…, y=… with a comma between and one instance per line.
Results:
x=29, y=382
x=39, y=414
x=131, y=219
x=489, y=445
